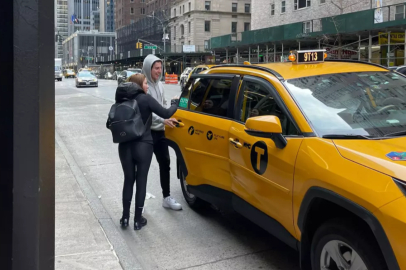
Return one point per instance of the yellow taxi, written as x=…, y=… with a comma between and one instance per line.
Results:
x=312, y=150
x=69, y=73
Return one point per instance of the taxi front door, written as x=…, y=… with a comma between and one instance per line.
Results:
x=206, y=112
x=262, y=174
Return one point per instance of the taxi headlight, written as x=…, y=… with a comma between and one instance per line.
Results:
x=401, y=184
x=79, y=80
x=61, y=74
x=95, y=80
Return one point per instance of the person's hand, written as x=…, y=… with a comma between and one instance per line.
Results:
x=170, y=122
x=175, y=97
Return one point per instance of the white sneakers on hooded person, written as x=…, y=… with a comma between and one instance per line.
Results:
x=171, y=203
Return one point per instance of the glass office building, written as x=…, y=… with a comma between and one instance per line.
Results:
x=82, y=48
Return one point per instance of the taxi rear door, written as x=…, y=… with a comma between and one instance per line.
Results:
x=206, y=111
x=262, y=174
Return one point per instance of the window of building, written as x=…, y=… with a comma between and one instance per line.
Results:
x=307, y=27
x=180, y=10
x=132, y=21
x=400, y=12
x=272, y=9
x=184, y=9
x=174, y=33
x=322, y=1
x=132, y=1
x=142, y=10
x=211, y=96
x=298, y=4
x=207, y=5
x=207, y=26
x=247, y=26
x=283, y=7
x=132, y=10
x=247, y=8
x=182, y=30
x=234, y=7
x=190, y=6
x=207, y=44
x=174, y=12
x=257, y=101
x=189, y=27
x=233, y=27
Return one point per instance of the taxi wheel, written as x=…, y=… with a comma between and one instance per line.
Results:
x=339, y=244
x=193, y=201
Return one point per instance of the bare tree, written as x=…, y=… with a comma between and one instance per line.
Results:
x=341, y=7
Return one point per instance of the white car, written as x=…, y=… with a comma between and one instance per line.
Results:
x=184, y=76
x=86, y=79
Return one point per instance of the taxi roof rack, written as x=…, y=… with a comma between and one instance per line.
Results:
x=273, y=72
x=355, y=61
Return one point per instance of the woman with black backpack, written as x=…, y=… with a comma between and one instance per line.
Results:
x=136, y=155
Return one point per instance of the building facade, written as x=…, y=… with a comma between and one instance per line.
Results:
x=107, y=16
x=82, y=48
x=195, y=22
x=81, y=14
x=269, y=13
x=61, y=25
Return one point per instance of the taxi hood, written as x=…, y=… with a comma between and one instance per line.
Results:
x=373, y=154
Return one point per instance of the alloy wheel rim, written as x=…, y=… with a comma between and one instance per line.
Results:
x=337, y=255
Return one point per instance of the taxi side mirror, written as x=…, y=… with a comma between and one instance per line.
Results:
x=266, y=126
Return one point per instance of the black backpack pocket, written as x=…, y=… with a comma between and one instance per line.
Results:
x=127, y=130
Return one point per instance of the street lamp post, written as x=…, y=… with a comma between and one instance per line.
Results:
x=164, y=36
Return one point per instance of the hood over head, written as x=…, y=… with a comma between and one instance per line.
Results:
x=147, y=66
x=128, y=91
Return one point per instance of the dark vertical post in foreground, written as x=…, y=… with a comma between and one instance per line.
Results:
x=27, y=128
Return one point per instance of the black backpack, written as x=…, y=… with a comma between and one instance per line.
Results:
x=125, y=122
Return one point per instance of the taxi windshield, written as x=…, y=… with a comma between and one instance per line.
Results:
x=370, y=104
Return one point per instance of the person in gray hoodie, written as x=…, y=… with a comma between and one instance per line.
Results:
x=152, y=69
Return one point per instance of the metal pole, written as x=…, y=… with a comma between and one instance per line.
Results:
x=164, y=69
x=258, y=54
x=319, y=44
x=267, y=54
x=227, y=56
x=274, y=53
x=282, y=51
x=299, y=45
x=404, y=50
x=237, y=56
x=249, y=54
x=359, y=47
x=388, y=52
x=370, y=48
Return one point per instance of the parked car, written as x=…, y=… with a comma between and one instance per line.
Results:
x=86, y=79
x=399, y=69
x=108, y=76
x=123, y=75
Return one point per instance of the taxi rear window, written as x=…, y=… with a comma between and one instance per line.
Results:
x=362, y=103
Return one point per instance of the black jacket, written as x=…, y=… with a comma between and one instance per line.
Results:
x=147, y=104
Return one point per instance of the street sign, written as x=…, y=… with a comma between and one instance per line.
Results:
x=111, y=48
x=150, y=47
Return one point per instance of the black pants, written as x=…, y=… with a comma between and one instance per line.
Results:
x=135, y=159
x=161, y=151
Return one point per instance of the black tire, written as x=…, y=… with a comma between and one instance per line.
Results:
x=352, y=234
x=193, y=201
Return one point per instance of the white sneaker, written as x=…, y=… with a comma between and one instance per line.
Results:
x=170, y=202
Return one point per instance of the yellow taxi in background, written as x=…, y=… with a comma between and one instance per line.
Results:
x=313, y=151
x=69, y=73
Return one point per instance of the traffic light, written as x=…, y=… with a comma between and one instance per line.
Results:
x=139, y=45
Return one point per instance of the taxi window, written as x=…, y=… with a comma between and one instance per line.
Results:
x=210, y=96
x=258, y=100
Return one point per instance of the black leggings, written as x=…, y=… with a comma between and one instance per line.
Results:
x=135, y=159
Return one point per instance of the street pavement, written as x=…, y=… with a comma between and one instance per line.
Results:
x=89, y=181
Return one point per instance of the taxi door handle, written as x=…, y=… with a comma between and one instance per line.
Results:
x=180, y=124
x=235, y=143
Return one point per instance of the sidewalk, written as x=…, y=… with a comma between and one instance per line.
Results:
x=86, y=236
x=80, y=242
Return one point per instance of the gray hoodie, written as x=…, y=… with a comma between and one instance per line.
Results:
x=155, y=89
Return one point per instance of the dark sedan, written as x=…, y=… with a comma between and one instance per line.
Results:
x=123, y=75
x=86, y=79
